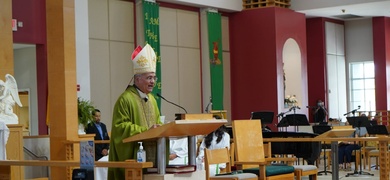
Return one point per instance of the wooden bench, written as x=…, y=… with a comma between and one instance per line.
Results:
x=133, y=169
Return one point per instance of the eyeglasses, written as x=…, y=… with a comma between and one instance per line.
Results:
x=150, y=78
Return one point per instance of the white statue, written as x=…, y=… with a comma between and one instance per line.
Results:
x=8, y=96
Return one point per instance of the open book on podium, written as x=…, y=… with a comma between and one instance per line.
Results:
x=334, y=133
x=184, y=116
x=179, y=128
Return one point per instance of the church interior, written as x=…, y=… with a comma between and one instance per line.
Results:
x=313, y=72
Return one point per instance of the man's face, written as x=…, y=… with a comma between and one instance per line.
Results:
x=146, y=82
x=96, y=117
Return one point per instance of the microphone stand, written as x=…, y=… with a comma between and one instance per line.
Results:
x=353, y=111
x=208, y=105
x=294, y=108
x=159, y=95
x=361, y=172
x=281, y=115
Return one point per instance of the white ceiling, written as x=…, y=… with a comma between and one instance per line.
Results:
x=312, y=8
x=347, y=9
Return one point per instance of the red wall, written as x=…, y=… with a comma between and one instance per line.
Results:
x=316, y=55
x=381, y=43
x=33, y=16
x=257, y=37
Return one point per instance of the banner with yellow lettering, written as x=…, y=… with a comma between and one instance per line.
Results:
x=152, y=37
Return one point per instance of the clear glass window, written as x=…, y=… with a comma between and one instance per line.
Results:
x=362, y=85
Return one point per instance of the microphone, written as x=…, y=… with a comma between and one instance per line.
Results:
x=280, y=114
x=209, y=104
x=159, y=95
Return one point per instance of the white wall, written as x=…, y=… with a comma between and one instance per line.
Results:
x=82, y=49
x=26, y=78
x=336, y=71
x=180, y=61
x=293, y=71
x=358, y=41
x=111, y=42
x=358, y=45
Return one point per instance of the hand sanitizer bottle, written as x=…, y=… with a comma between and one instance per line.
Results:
x=141, y=154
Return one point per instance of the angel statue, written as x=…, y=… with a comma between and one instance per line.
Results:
x=8, y=96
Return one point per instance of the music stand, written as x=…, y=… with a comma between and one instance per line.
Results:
x=266, y=117
x=297, y=120
x=283, y=122
x=377, y=129
x=362, y=123
x=320, y=129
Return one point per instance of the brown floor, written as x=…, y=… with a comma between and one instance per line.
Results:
x=342, y=174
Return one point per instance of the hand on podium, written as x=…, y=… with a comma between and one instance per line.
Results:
x=155, y=126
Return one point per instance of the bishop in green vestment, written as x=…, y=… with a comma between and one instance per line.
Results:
x=135, y=111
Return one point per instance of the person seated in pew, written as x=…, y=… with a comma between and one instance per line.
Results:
x=215, y=140
x=178, y=151
x=374, y=121
x=345, y=150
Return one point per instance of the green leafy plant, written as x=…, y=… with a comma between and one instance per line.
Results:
x=84, y=108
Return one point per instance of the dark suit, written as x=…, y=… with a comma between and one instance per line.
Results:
x=92, y=129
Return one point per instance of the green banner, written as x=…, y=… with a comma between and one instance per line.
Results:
x=152, y=36
x=216, y=63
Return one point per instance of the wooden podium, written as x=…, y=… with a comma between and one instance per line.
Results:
x=178, y=128
x=336, y=133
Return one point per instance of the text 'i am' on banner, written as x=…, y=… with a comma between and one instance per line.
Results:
x=152, y=37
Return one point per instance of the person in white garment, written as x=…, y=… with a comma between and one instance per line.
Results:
x=216, y=140
x=178, y=149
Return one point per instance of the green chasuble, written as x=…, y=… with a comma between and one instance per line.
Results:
x=131, y=115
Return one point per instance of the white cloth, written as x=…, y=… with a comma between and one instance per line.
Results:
x=101, y=172
x=179, y=146
x=4, y=134
x=225, y=142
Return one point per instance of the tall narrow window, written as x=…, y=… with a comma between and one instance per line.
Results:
x=362, y=85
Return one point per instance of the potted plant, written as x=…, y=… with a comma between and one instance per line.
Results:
x=84, y=108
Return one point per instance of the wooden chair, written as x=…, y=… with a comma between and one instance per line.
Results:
x=217, y=156
x=370, y=154
x=366, y=149
x=248, y=140
x=231, y=153
x=374, y=153
x=299, y=170
x=305, y=170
